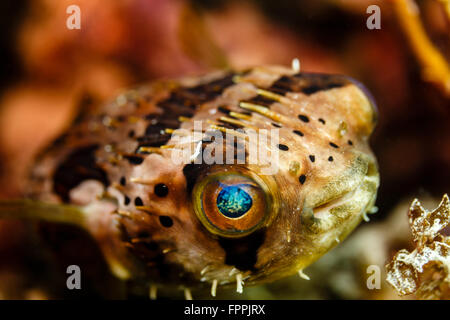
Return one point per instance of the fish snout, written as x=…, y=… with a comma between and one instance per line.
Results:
x=345, y=201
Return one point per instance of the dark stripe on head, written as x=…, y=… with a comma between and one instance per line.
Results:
x=283, y=85
x=191, y=172
x=314, y=82
x=260, y=100
x=182, y=102
x=308, y=83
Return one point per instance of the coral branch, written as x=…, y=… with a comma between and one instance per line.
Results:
x=426, y=270
x=434, y=66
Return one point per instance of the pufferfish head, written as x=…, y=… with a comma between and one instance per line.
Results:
x=202, y=222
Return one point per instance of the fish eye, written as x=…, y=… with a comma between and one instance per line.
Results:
x=234, y=201
x=231, y=204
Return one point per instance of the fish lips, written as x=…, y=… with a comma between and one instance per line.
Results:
x=335, y=202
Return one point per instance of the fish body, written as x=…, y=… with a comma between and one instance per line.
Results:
x=193, y=224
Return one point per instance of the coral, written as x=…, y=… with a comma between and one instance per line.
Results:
x=434, y=66
x=426, y=270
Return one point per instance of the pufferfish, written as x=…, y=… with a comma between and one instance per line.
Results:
x=202, y=226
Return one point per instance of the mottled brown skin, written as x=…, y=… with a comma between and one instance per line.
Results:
x=327, y=180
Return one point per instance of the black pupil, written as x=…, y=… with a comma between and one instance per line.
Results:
x=233, y=201
x=161, y=190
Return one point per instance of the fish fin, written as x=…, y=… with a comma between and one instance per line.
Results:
x=35, y=210
x=26, y=209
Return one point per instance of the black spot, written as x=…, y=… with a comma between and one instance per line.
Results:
x=321, y=121
x=131, y=134
x=330, y=158
x=79, y=166
x=334, y=145
x=302, y=179
x=350, y=142
x=123, y=181
x=276, y=125
x=126, y=200
x=298, y=132
x=134, y=159
x=303, y=118
x=161, y=190
x=166, y=221
x=283, y=147
x=242, y=253
x=312, y=158
x=138, y=202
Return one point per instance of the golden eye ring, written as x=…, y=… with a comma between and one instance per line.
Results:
x=232, y=203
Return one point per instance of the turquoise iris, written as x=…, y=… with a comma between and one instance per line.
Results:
x=233, y=201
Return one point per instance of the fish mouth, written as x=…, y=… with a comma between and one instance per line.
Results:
x=323, y=209
x=361, y=194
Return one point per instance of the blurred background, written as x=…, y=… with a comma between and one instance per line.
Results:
x=47, y=71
